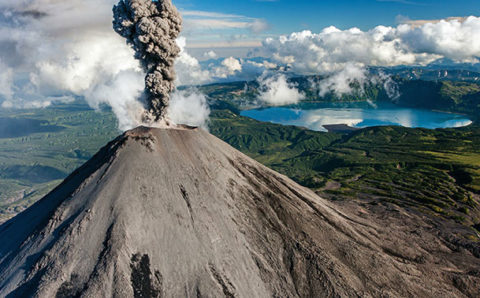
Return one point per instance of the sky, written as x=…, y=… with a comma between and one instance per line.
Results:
x=56, y=50
x=286, y=16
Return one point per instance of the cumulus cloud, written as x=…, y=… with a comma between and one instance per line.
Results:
x=342, y=54
x=210, y=55
x=188, y=69
x=332, y=49
x=342, y=81
x=456, y=39
x=276, y=90
x=229, y=67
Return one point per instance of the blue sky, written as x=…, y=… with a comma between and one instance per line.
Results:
x=286, y=16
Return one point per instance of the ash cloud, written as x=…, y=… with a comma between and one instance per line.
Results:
x=151, y=28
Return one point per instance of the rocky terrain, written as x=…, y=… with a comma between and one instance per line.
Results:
x=178, y=212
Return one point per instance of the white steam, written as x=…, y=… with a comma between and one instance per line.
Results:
x=121, y=93
x=56, y=50
x=189, y=107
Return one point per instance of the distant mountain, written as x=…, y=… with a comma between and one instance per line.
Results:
x=446, y=63
x=439, y=70
x=433, y=73
x=447, y=95
x=179, y=213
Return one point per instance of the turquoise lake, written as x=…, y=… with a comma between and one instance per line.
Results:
x=314, y=116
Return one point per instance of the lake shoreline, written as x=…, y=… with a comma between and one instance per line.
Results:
x=340, y=128
x=346, y=117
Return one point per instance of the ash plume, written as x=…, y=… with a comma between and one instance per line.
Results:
x=151, y=28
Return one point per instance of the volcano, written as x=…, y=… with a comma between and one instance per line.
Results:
x=179, y=213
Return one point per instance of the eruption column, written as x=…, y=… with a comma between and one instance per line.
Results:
x=151, y=28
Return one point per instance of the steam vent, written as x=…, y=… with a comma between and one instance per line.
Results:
x=179, y=213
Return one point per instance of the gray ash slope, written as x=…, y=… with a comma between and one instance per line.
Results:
x=177, y=212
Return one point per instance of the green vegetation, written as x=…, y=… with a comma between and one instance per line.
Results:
x=436, y=172
x=449, y=96
x=39, y=148
x=432, y=171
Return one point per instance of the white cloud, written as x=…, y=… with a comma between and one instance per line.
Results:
x=209, y=14
x=51, y=49
x=42, y=102
x=343, y=54
x=259, y=26
x=333, y=49
x=330, y=50
x=229, y=67
x=341, y=82
x=189, y=71
x=226, y=44
x=210, y=55
x=276, y=90
x=216, y=24
x=456, y=39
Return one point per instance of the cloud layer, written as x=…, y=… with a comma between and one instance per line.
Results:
x=333, y=49
x=343, y=55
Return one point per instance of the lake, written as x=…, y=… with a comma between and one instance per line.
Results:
x=315, y=115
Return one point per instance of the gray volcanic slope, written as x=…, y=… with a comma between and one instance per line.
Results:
x=179, y=213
